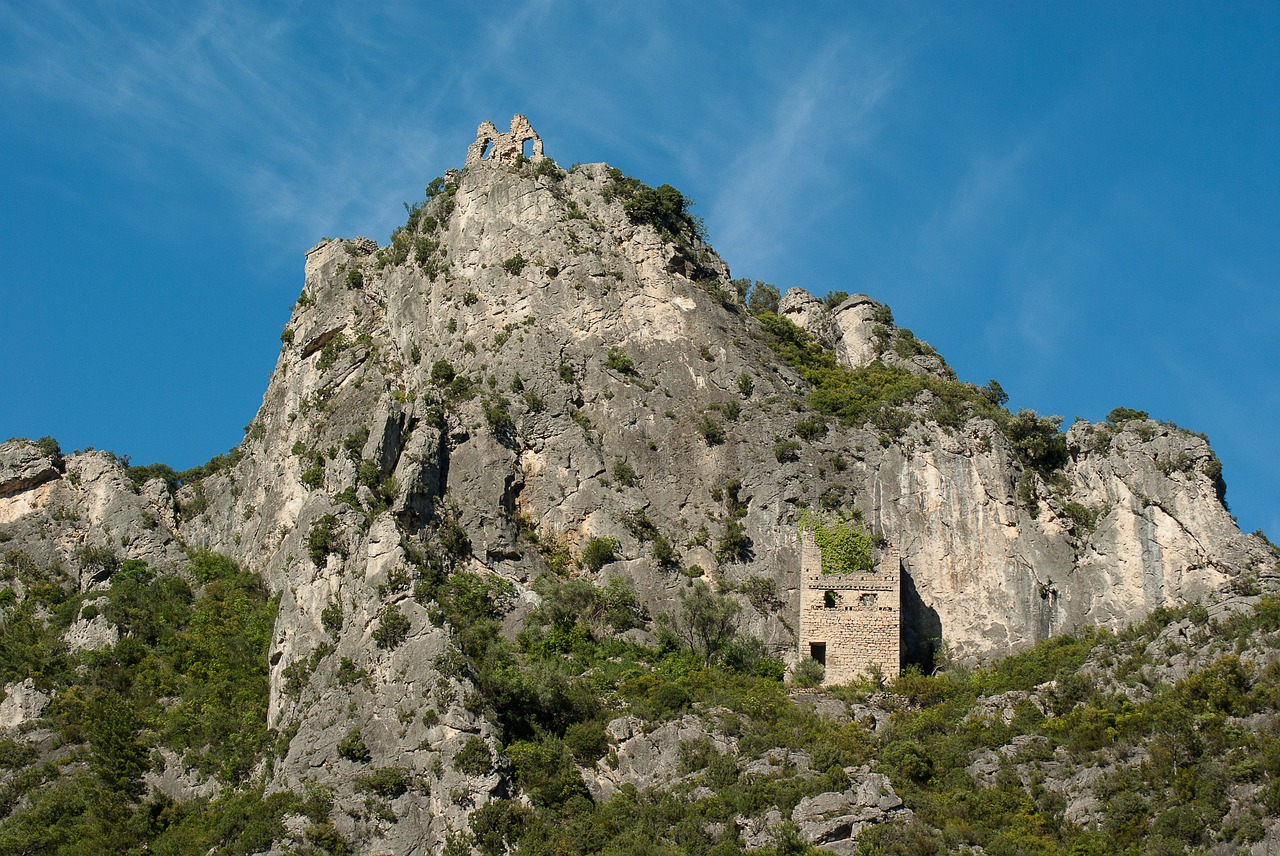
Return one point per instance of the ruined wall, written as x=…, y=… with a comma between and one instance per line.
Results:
x=852, y=622
x=504, y=148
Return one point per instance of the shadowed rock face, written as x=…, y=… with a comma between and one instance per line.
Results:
x=527, y=359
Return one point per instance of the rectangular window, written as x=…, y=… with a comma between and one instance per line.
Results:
x=818, y=651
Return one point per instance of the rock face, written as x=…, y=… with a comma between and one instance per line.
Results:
x=23, y=466
x=526, y=359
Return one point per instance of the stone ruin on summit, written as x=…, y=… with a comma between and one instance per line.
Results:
x=503, y=148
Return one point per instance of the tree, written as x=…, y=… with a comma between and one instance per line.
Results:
x=707, y=622
x=662, y=207
x=762, y=298
x=599, y=552
x=995, y=393
x=1038, y=440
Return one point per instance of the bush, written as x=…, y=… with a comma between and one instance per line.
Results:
x=624, y=474
x=393, y=628
x=810, y=429
x=331, y=618
x=599, y=552
x=474, y=758
x=49, y=447
x=734, y=545
x=663, y=553
x=1038, y=441
x=808, y=673
x=845, y=548
x=389, y=782
x=442, y=373
x=324, y=540
x=545, y=771
x=707, y=622
x=1121, y=415
x=664, y=208
x=786, y=450
x=313, y=476
x=353, y=748
x=712, y=431
x=617, y=360
x=515, y=264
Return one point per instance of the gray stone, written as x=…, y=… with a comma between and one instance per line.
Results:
x=23, y=466
x=834, y=820
x=22, y=703
x=526, y=461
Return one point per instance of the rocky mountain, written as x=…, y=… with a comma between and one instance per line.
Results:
x=548, y=377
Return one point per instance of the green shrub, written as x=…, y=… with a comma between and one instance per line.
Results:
x=442, y=373
x=1038, y=440
x=545, y=771
x=706, y=622
x=734, y=545
x=845, y=548
x=1121, y=415
x=664, y=208
x=331, y=617
x=49, y=447
x=786, y=450
x=515, y=264
x=474, y=758
x=663, y=553
x=587, y=741
x=810, y=429
x=313, y=476
x=617, y=360
x=711, y=430
x=353, y=748
x=349, y=673
x=388, y=782
x=323, y=540
x=393, y=627
x=599, y=552
x=624, y=474
x=808, y=673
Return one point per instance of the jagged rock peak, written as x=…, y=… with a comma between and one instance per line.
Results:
x=861, y=331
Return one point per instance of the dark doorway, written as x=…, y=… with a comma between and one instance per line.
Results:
x=818, y=651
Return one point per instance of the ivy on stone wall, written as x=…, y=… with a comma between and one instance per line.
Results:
x=845, y=548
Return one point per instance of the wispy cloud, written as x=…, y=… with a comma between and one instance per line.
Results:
x=216, y=88
x=827, y=114
x=983, y=197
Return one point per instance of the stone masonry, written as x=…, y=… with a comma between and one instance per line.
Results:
x=850, y=623
x=503, y=148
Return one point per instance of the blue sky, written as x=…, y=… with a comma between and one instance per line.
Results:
x=1081, y=200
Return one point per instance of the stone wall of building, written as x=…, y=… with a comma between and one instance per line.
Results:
x=504, y=148
x=852, y=623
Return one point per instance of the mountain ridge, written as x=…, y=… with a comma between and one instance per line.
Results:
x=548, y=387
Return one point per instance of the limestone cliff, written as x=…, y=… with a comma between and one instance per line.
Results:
x=530, y=365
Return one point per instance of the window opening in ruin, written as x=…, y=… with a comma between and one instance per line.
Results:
x=829, y=600
x=526, y=148
x=486, y=150
x=818, y=651
x=867, y=601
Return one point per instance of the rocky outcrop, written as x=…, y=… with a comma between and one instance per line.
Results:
x=24, y=465
x=526, y=366
x=833, y=821
x=22, y=703
x=86, y=522
x=651, y=759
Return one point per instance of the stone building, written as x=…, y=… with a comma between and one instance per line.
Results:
x=850, y=623
x=504, y=148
